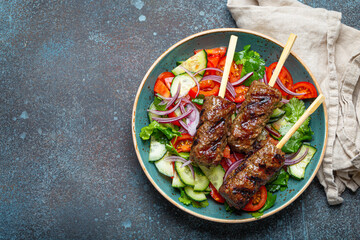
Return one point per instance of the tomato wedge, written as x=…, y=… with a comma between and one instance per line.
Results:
x=305, y=87
x=207, y=88
x=240, y=93
x=284, y=76
x=183, y=143
x=235, y=70
x=215, y=194
x=162, y=84
x=257, y=201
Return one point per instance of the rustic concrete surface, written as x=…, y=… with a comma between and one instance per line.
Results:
x=69, y=74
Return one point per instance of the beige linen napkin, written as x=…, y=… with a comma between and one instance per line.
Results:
x=332, y=52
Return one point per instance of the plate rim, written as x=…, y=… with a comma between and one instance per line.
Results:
x=221, y=220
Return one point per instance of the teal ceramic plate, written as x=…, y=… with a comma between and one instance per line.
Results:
x=270, y=50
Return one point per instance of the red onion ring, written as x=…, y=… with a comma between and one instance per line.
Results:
x=232, y=168
x=284, y=100
x=272, y=131
x=282, y=86
x=193, y=78
x=243, y=79
x=265, y=79
x=217, y=78
x=180, y=159
x=296, y=160
x=186, y=163
x=173, y=119
x=210, y=68
x=165, y=112
x=173, y=99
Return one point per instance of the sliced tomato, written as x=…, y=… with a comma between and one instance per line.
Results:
x=173, y=114
x=284, y=76
x=227, y=152
x=257, y=201
x=215, y=194
x=235, y=70
x=220, y=51
x=305, y=87
x=212, y=63
x=240, y=93
x=207, y=88
x=162, y=84
x=183, y=143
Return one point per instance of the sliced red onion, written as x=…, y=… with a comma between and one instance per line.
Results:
x=180, y=159
x=173, y=119
x=173, y=99
x=292, y=155
x=194, y=120
x=265, y=79
x=165, y=112
x=238, y=105
x=175, y=159
x=163, y=102
x=182, y=109
x=284, y=100
x=210, y=68
x=164, y=98
x=228, y=162
x=296, y=159
x=272, y=131
x=186, y=127
x=186, y=163
x=232, y=168
x=282, y=86
x=238, y=159
x=193, y=78
x=183, y=130
x=243, y=79
x=217, y=78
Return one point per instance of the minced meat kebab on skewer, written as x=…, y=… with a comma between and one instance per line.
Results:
x=260, y=102
x=255, y=111
x=210, y=139
x=246, y=179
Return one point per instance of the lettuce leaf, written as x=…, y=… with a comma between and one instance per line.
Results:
x=159, y=131
x=279, y=183
x=293, y=111
x=252, y=62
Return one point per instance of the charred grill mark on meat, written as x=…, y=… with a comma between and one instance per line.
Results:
x=210, y=139
x=260, y=102
x=241, y=184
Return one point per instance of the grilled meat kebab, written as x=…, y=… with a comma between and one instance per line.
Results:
x=210, y=139
x=241, y=184
x=260, y=102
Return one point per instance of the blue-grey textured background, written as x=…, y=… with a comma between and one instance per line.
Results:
x=69, y=74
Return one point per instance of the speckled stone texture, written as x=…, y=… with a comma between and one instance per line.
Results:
x=69, y=74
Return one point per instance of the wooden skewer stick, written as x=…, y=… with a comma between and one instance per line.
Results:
x=284, y=55
x=228, y=62
x=298, y=123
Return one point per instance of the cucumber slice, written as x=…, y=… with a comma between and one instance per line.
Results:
x=193, y=64
x=165, y=167
x=278, y=113
x=157, y=150
x=196, y=196
x=215, y=175
x=201, y=181
x=184, y=174
x=298, y=170
x=179, y=63
x=176, y=181
x=278, y=124
x=151, y=115
x=186, y=84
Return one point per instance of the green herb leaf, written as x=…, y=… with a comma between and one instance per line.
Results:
x=184, y=198
x=228, y=208
x=293, y=111
x=252, y=62
x=256, y=215
x=158, y=107
x=270, y=201
x=173, y=151
x=279, y=183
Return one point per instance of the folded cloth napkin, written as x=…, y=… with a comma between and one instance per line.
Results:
x=332, y=52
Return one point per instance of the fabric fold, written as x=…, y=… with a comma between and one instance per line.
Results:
x=332, y=52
